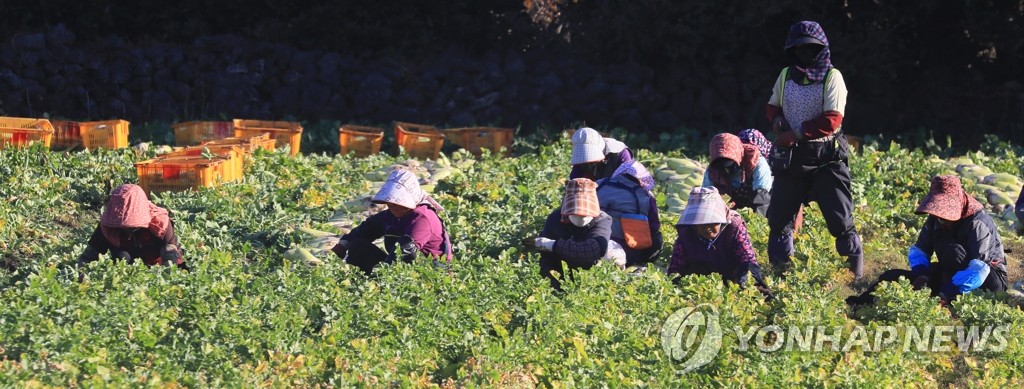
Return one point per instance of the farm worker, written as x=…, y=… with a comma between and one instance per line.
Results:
x=755, y=138
x=810, y=157
x=131, y=227
x=626, y=197
x=963, y=239
x=410, y=226
x=739, y=170
x=713, y=239
x=578, y=233
x=596, y=157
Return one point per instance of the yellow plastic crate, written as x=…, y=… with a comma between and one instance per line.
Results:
x=235, y=157
x=419, y=140
x=474, y=139
x=194, y=133
x=107, y=134
x=19, y=132
x=248, y=143
x=181, y=174
x=289, y=133
x=361, y=140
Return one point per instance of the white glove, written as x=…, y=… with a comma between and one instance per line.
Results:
x=616, y=254
x=544, y=244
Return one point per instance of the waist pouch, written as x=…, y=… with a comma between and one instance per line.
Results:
x=806, y=155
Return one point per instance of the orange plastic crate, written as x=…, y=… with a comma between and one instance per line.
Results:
x=66, y=135
x=248, y=143
x=235, y=157
x=107, y=134
x=193, y=133
x=19, y=132
x=418, y=140
x=285, y=133
x=180, y=174
x=473, y=139
x=362, y=140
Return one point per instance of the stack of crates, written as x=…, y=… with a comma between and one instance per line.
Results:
x=194, y=133
x=474, y=139
x=419, y=140
x=19, y=132
x=181, y=174
x=206, y=165
x=285, y=133
x=361, y=140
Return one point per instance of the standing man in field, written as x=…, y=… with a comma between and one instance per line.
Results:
x=810, y=157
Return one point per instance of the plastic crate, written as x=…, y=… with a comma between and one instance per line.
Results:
x=248, y=143
x=418, y=140
x=362, y=140
x=285, y=133
x=234, y=154
x=194, y=133
x=473, y=139
x=181, y=174
x=66, y=135
x=107, y=134
x=19, y=132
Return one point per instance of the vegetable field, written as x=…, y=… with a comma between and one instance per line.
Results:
x=245, y=315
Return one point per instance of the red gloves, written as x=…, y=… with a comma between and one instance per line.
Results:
x=786, y=139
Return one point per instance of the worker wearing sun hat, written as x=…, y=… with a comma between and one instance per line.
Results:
x=578, y=233
x=713, y=239
x=410, y=226
x=596, y=157
x=964, y=240
x=133, y=228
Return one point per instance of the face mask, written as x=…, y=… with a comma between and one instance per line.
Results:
x=580, y=221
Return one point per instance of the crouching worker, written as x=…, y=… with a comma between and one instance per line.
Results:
x=132, y=228
x=713, y=239
x=577, y=233
x=964, y=240
x=740, y=171
x=409, y=226
x=596, y=157
x=627, y=198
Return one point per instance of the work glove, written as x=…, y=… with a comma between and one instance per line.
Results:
x=616, y=255
x=544, y=244
x=919, y=282
x=341, y=249
x=786, y=139
x=766, y=291
x=408, y=248
x=780, y=125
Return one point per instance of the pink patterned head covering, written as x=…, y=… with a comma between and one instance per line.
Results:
x=947, y=199
x=129, y=207
x=636, y=170
x=403, y=188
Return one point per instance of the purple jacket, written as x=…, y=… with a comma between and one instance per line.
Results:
x=730, y=255
x=421, y=224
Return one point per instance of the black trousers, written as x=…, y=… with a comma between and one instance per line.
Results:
x=365, y=255
x=549, y=261
x=829, y=186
